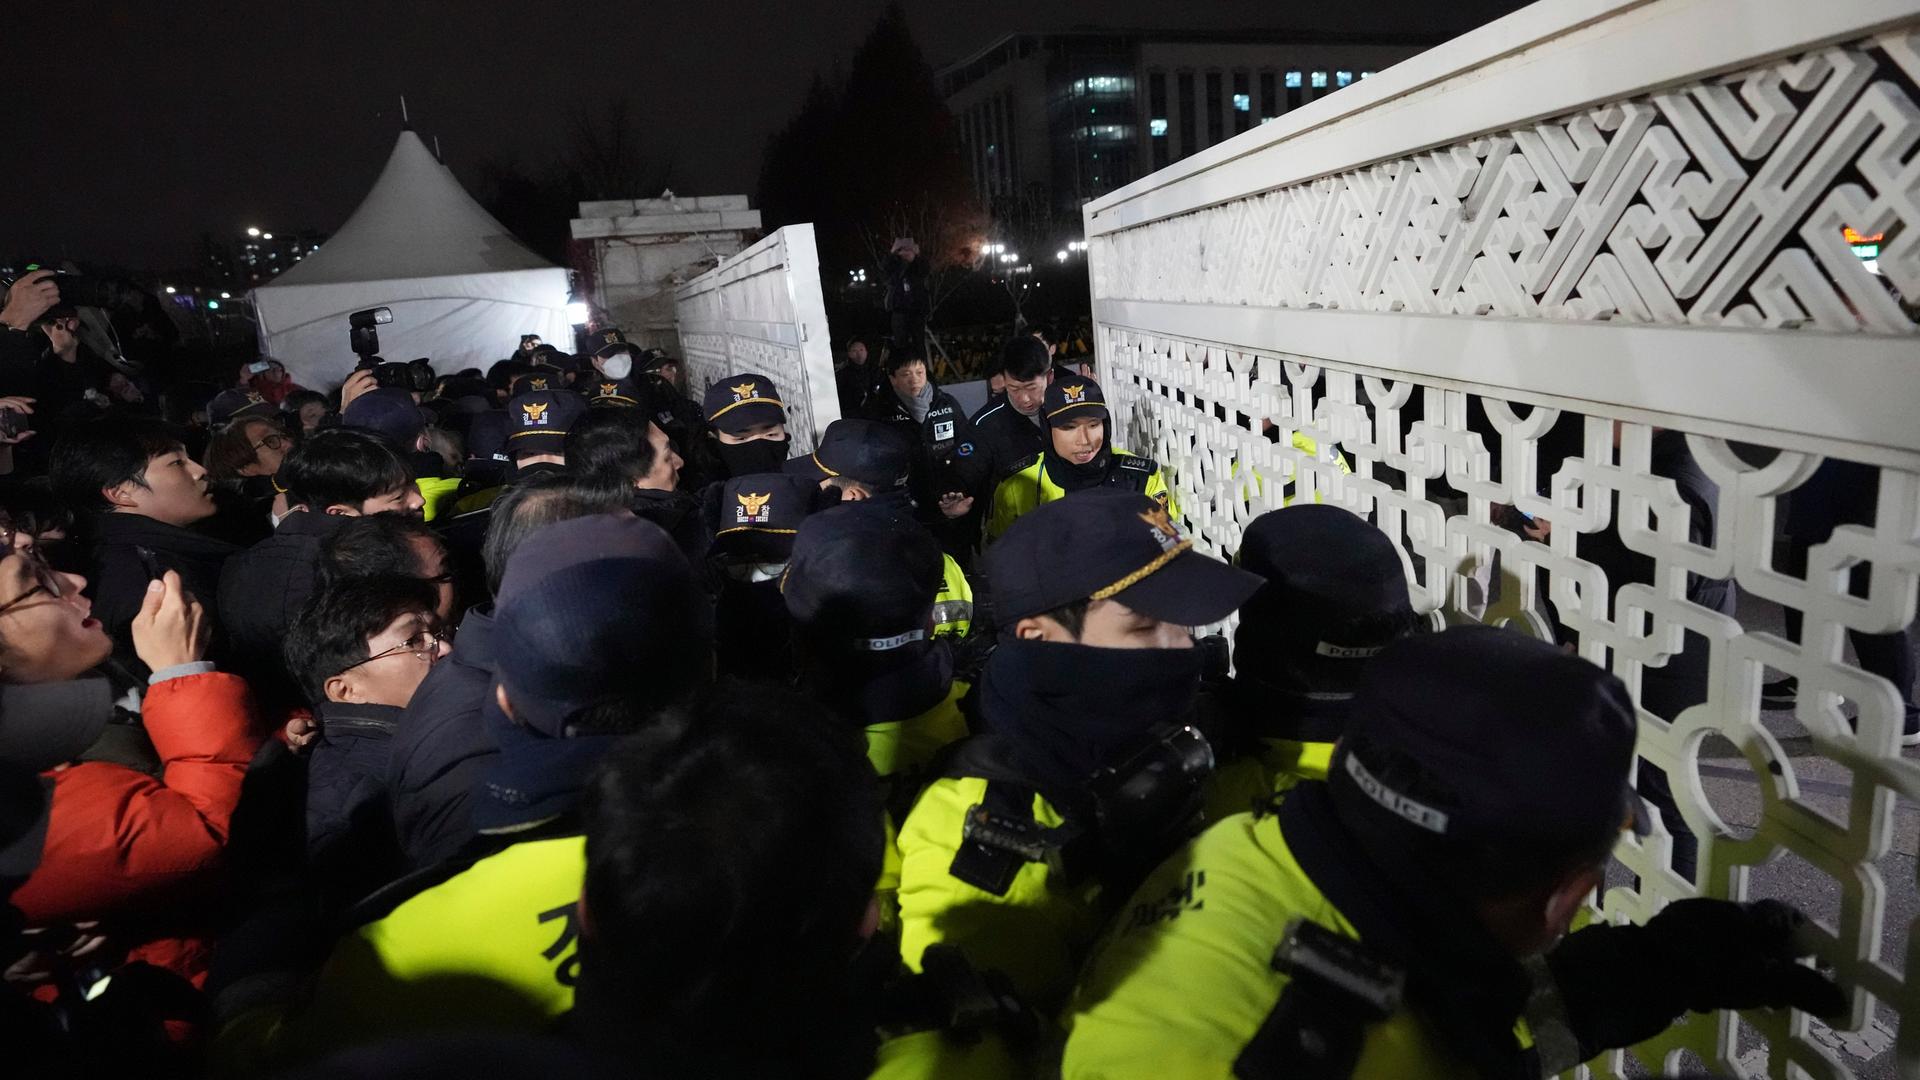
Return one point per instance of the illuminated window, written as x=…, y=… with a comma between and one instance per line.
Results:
x=1319, y=80
x=1293, y=80
x=1242, y=102
x=1157, y=127
x=1343, y=78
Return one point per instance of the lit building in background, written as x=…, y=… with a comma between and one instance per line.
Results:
x=254, y=256
x=1053, y=120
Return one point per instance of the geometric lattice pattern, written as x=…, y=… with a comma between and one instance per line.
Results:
x=1221, y=423
x=1719, y=203
x=761, y=311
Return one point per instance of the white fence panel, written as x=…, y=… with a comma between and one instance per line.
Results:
x=1489, y=277
x=761, y=311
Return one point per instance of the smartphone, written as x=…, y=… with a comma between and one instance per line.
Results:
x=1524, y=514
x=260, y=367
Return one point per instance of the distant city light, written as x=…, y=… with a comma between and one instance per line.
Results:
x=213, y=305
x=266, y=236
x=253, y=232
x=1061, y=255
x=171, y=290
x=226, y=296
x=577, y=313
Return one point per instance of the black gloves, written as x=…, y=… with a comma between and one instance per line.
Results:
x=1624, y=984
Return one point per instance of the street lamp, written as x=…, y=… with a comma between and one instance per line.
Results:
x=266, y=236
x=226, y=296
x=252, y=231
x=1061, y=255
x=170, y=290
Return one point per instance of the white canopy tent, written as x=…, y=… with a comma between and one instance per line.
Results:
x=462, y=289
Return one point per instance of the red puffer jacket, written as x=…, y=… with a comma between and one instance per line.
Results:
x=136, y=852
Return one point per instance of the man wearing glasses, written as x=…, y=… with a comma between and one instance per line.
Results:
x=359, y=650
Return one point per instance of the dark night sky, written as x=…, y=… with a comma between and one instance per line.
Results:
x=131, y=127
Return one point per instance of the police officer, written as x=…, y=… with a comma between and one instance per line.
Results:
x=867, y=461
x=1390, y=921
x=1336, y=595
x=1089, y=773
x=599, y=628
x=748, y=423
x=537, y=426
x=1077, y=457
x=861, y=588
x=946, y=474
x=753, y=520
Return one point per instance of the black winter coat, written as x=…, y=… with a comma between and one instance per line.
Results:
x=129, y=550
x=442, y=748
x=350, y=845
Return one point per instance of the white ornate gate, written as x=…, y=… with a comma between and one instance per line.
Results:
x=761, y=311
x=1633, y=213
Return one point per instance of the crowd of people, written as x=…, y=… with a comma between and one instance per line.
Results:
x=560, y=719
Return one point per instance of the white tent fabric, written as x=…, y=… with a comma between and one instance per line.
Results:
x=462, y=289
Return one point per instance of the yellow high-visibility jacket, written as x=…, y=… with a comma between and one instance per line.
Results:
x=1184, y=978
x=1030, y=486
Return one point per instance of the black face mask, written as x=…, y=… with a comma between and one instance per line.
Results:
x=1070, y=710
x=753, y=456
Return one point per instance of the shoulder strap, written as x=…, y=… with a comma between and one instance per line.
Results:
x=1338, y=988
x=999, y=834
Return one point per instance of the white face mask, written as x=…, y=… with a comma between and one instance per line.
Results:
x=617, y=366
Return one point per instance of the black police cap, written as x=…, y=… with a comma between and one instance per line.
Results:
x=758, y=515
x=743, y=401
x=1476, y=734
x=539, y=420
x=1325, y=567
x=1070, y=397
x=1103, y=544
x=624, y=393
x=864, y=581
x=874, y=453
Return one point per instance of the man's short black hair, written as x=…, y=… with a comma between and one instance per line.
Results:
x=897, y=360
x=529, y=505
x=331, y=633
x=731, y=854
x=342, y=467
x=609, y=447
x=1024, y=357
x=375, y=545
x=100, y=454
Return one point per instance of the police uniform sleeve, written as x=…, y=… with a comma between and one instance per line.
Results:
x=1017, y=494
x=1027, y=933
x=1182, y=981
x=1157, y=489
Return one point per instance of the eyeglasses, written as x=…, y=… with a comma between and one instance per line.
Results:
x=275, y=441
x=45, y=580
x=425, y=645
